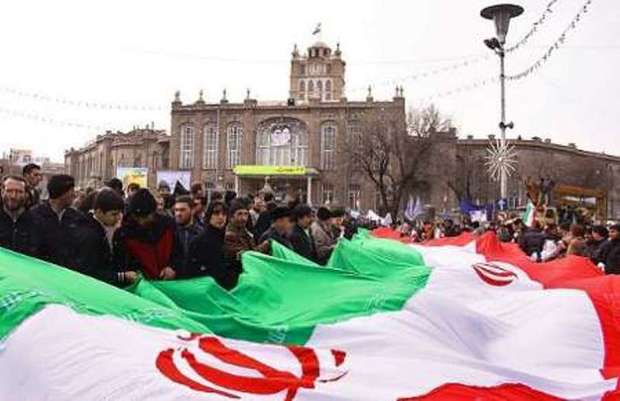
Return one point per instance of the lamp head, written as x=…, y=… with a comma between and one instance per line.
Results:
x=501, y=14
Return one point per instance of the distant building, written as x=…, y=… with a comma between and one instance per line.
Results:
x=293, y=147
x=96, y=163
x=582, y=178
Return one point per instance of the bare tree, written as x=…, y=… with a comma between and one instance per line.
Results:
x=391, y=150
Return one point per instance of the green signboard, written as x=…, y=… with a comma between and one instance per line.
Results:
x=257, y=170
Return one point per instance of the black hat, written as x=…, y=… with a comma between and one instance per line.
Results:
x=142, y=203
x=115, y=184
x=301, y=211
x=323, y=213
x=279, y=212
x=601, y=230
x=60, y=184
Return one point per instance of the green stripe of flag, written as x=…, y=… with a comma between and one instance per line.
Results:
x=279, y=299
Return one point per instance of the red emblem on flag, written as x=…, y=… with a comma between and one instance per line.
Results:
x=269, y=380
x=494, y=275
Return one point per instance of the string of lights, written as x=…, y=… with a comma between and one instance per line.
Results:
x=450, y=68
x=459, y=89
x=76, y=103
x=555, y=46
x=535, y=26
x=51, y=121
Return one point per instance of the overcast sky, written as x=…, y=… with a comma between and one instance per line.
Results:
x=140, y=52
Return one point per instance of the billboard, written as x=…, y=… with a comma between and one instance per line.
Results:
x=172, y=176
x=129, y=175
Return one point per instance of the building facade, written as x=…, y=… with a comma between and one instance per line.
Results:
x=294, y=147
x=97, y=162
x=581, y=177
x=298, y=147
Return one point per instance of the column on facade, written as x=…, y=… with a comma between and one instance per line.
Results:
x=309, y=190
x=236, y=183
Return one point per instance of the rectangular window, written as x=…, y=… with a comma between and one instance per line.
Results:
x=210, y=147
x=187, y=147
x=235, y=133
x=327, y=193
x=355, y=195
x=328, y=147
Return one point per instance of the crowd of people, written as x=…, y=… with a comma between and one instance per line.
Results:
x=542, y=243
x=117, y=234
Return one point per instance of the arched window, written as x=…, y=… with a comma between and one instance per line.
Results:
x=310, y=87
x=328, y=146
x=319, y=86
x=187, y=147
x=282, y=142
x=210, y=146
x=233, y=144
x=302, y=86
x=328, y=90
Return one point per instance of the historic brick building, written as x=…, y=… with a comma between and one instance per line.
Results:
x=581, y=177
x=293, y=146
x=296, y=147
x=97, y=162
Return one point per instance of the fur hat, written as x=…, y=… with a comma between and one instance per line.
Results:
x=142, y=203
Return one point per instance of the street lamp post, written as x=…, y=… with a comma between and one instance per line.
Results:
x=501, y=15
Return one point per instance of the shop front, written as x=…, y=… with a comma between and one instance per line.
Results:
x=285, y=182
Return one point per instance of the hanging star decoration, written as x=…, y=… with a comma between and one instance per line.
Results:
x=500, y=158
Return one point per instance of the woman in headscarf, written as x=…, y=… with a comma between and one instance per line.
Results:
x=206, y=252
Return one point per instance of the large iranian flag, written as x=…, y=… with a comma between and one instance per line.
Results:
x=458, y=319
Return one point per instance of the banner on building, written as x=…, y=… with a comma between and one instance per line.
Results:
x=129, y=175
x=171, y=177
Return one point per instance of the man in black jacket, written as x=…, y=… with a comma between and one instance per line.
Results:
x=280, y=227
x=61, y=227
x=610, y=251
x=186, y=229
x=32, y=175
x=97, y=244
x=301, y=237
x=17, y=228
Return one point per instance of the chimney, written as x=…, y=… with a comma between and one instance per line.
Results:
x=547, y=140
x=572, y=145
x=470, y=137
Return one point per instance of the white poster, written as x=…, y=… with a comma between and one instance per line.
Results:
x=172, y=176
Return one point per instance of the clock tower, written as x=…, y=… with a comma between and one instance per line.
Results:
x=318, y=75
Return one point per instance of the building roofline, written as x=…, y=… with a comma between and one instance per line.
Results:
x=541, y=144
x=252, y=104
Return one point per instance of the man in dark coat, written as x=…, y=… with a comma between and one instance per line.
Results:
x=280, y=227
x=301, y=237
x=596, y=242
x=32, y=175
x=61, y=227
x=323, y=235
x=532, y=241
x=610, y=251
x=97, y=243
x=186, y=229
x=17, y=229
x=145, y=241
